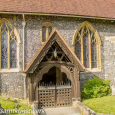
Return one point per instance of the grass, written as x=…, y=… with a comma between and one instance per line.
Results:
x=8, y=104
x=101, y=105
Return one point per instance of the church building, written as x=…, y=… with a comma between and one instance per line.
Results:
x=48, y=48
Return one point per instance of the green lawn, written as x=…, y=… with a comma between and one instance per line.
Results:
x=101, y=105
x=7, y=104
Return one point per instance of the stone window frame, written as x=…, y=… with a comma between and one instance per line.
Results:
x=47, y=25
x=98, y=46
x=16, y=33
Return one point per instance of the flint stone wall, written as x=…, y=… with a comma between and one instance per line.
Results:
x=12, y=83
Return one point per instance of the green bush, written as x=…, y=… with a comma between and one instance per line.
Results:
x=95, y=88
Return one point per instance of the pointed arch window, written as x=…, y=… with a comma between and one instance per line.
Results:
x=13, y=54
x=87, y=45
x=9, y=46
x=4, y=47
x=46, y=30
x=43, y=34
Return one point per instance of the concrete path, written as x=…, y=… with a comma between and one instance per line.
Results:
x=62, y=111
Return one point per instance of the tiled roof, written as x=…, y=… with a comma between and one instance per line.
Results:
x=33, y=61
x=92, y=8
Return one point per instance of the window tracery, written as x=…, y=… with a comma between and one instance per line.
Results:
x=46, y=30
x=87, y=44
x=9, y=38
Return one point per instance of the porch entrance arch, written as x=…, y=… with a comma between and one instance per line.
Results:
x=54, y=89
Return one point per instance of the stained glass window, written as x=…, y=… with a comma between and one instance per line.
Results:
x=78, y=50
x=8, y=46
x=43, y=34
x=85, y=44
x=4, y=49
x=50, y=30
x=46, y=31
x=4, y=27
x=13, y=54
x=86, y=50
x=13, y=36
x=10, y=29
x=93, y=55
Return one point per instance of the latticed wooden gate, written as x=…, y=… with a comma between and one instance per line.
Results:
x=54, y=96
x=63, y=95
x=46, y=97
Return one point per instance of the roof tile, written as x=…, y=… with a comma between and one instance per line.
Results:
x=94, y=8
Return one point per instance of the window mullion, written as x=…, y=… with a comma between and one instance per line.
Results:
x=47, y=33
x=82, y=56
x=89, y=49
x=98, y=52
x=8, y=49
x=82, y=51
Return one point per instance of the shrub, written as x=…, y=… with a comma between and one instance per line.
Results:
x=95, y=88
